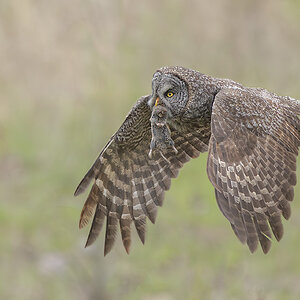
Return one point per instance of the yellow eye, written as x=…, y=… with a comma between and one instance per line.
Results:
x=170, y=94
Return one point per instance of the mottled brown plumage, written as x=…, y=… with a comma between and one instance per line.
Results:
x=252, y=136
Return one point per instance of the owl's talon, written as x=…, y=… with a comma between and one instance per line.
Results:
x=175, y=150
x=150, y=154
x=164, y=158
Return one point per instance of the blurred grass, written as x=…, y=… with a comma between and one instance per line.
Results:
x=69, y=74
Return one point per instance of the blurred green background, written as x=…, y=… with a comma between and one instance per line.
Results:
x=70, y=71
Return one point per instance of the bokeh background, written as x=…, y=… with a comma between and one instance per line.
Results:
x=69, y=73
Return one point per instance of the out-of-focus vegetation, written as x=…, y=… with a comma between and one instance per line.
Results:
x=70, y=71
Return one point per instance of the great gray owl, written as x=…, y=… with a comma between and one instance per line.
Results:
x=252, y=137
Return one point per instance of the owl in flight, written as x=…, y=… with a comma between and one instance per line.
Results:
x=252, y=137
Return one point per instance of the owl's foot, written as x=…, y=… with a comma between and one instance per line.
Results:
x=150, y=154
x=175, y=150
x=164, y=158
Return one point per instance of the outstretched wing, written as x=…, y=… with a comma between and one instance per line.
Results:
x=252, y=162
x=128, y=185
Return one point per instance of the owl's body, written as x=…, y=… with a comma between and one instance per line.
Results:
x=252, y=136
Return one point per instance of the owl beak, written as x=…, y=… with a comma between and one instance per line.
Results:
x=157, y=101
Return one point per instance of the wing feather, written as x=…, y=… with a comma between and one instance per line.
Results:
x=97, y=224
x=252, y=162
x=128, y=185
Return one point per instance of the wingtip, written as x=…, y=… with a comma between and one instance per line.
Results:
x=278, y=235
x=266, y=249
x=127, y=246
x=142, y=238
x=106, y=250
x=78, y=190
x=141, y=234
x=152, y=217
x=252, y=250
x=87, y=243
x=86, y=179
x=252, y=247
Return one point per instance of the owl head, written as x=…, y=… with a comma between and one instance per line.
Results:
x=170, y=91
x=184, y=92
